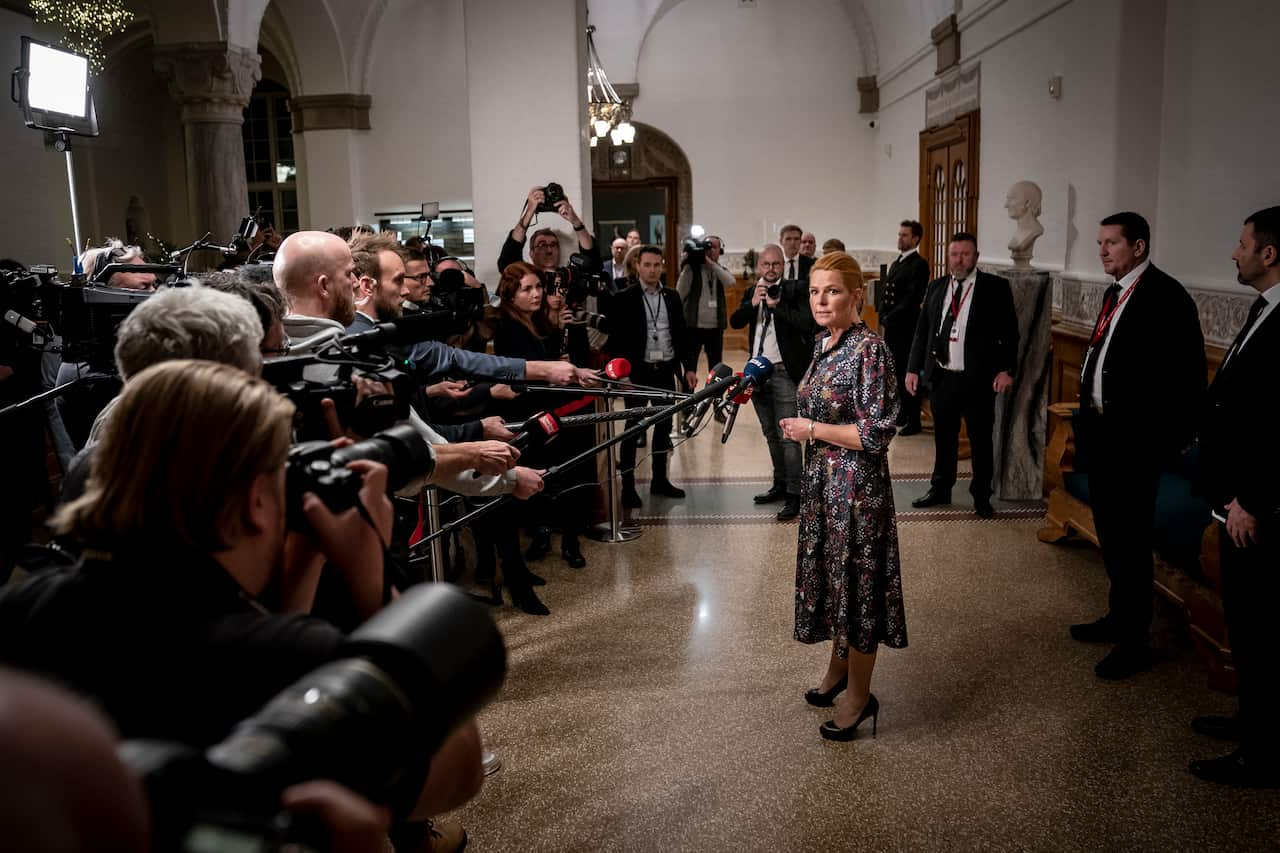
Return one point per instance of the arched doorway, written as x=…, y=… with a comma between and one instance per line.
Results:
x=647, y=185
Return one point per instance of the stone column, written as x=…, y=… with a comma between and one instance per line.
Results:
x=211, y=83
x=528, y=116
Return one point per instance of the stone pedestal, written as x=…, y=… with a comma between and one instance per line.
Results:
x=212, y=82
x=1019, y=439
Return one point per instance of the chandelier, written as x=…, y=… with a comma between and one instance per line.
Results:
x=607, y=114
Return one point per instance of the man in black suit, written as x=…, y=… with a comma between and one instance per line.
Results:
x=1239, y=473
x=901, y=295
x=782, y=330
x=795, y=266
x=964, y=352
x=647, y=328
x=1146, y=354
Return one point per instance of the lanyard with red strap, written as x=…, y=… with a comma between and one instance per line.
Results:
x=956, y=307
x=1100, y=330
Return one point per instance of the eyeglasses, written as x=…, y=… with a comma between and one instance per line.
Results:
x=419, y=278
x=543, y=244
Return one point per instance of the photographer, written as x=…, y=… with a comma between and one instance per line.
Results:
x=544, y=253
x=701, y=287
x=167, y=622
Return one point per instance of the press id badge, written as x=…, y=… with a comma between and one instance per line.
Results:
x=711, y=300
x=955, y=333
x=654, y=355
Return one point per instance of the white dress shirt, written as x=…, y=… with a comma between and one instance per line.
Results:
x=907, y=254
x=1272, y=295
x=956, y=361
x=770, y=336
x=1126, y=284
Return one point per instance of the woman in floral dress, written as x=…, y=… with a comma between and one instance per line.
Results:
x=848, y=587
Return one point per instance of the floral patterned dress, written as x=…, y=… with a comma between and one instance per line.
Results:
x=848, y=586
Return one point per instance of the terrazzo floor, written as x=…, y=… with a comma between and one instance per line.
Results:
x=660, y=706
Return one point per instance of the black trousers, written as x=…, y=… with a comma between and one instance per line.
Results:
x=899, y=338
x=1123, y=479
x=661, y=375
x=955, y=395
x=1250, y=587
x=711, y=340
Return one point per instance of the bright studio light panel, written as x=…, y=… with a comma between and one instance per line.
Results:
x=58, y=81
x=54, y=89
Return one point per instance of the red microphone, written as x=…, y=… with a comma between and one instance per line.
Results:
x=617, y=369
x=739, y=399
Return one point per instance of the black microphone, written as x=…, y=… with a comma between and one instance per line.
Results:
x=695, y=418
x=409, y=329
x=755, y=374
x=539, y=430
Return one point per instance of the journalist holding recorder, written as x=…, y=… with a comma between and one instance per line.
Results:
x=174, y=618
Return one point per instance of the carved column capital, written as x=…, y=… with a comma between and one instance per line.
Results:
x=211, y=81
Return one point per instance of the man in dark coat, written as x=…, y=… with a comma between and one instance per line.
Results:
x=901, y=294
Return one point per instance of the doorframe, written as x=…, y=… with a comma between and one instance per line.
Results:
x=670, y=183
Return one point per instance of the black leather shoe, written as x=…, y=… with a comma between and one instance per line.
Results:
x=1097, y=631
x=831, y=731
x=631, y=498
x=1223, y=728
x=910, y=429
x=819, y=699
x=1124, y=661
x=984, y=509
x=665, y=489
x=573, y=556
x=536, y=580
x=527, y=600
x=776, y=493
x=1236, y=770
x=933, y=497
x=790, y=509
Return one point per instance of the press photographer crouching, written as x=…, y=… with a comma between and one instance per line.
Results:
x=171, y=620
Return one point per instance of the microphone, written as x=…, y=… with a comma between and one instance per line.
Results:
x=755, y=374
x=616, y=370
x=539, y=431
x=409, y=329
x=695, y=418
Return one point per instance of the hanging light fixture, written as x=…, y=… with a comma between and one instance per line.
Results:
x=607, y=113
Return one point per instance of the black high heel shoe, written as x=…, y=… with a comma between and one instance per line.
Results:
x=830, y=731
x=818, y=699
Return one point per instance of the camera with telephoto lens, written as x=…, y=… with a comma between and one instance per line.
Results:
x=580, y=279
x=370, y=720
x=317, y=467
x=308, y=380
x=552, y=194
x=454, y=305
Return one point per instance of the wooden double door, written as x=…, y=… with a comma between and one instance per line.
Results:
x=948, y=187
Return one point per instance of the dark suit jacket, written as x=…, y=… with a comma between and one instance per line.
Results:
x=629, y=325
x=1153, y=379
x=1238, y=459
x=990, y=338
x=806, y=264
x=901, y=294
x=793, y=324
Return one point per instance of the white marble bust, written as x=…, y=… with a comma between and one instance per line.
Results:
x=1023, y=205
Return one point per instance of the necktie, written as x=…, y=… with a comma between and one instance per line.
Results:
x=1090, y=371
x=1254, y=310
x=942, y=343
x=791, y=270
x=763, y=326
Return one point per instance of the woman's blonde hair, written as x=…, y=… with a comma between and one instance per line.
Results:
x=173, y=470
x=845, y=265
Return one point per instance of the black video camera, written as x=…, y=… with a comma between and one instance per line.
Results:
x=552, y=194
x=455, y=305
x=308, y=380
x=76, y=318
x=371, y=721
x=695, y=251
x=315, y=466
x=580, y=279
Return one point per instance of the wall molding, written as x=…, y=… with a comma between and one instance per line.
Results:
x=338, y=111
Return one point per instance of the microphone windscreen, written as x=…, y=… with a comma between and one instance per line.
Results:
x=720, y=371
x=618, y=368
x=759, y=368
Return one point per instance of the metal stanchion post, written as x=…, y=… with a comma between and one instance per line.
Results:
x=612, y=530
x=432, y=500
